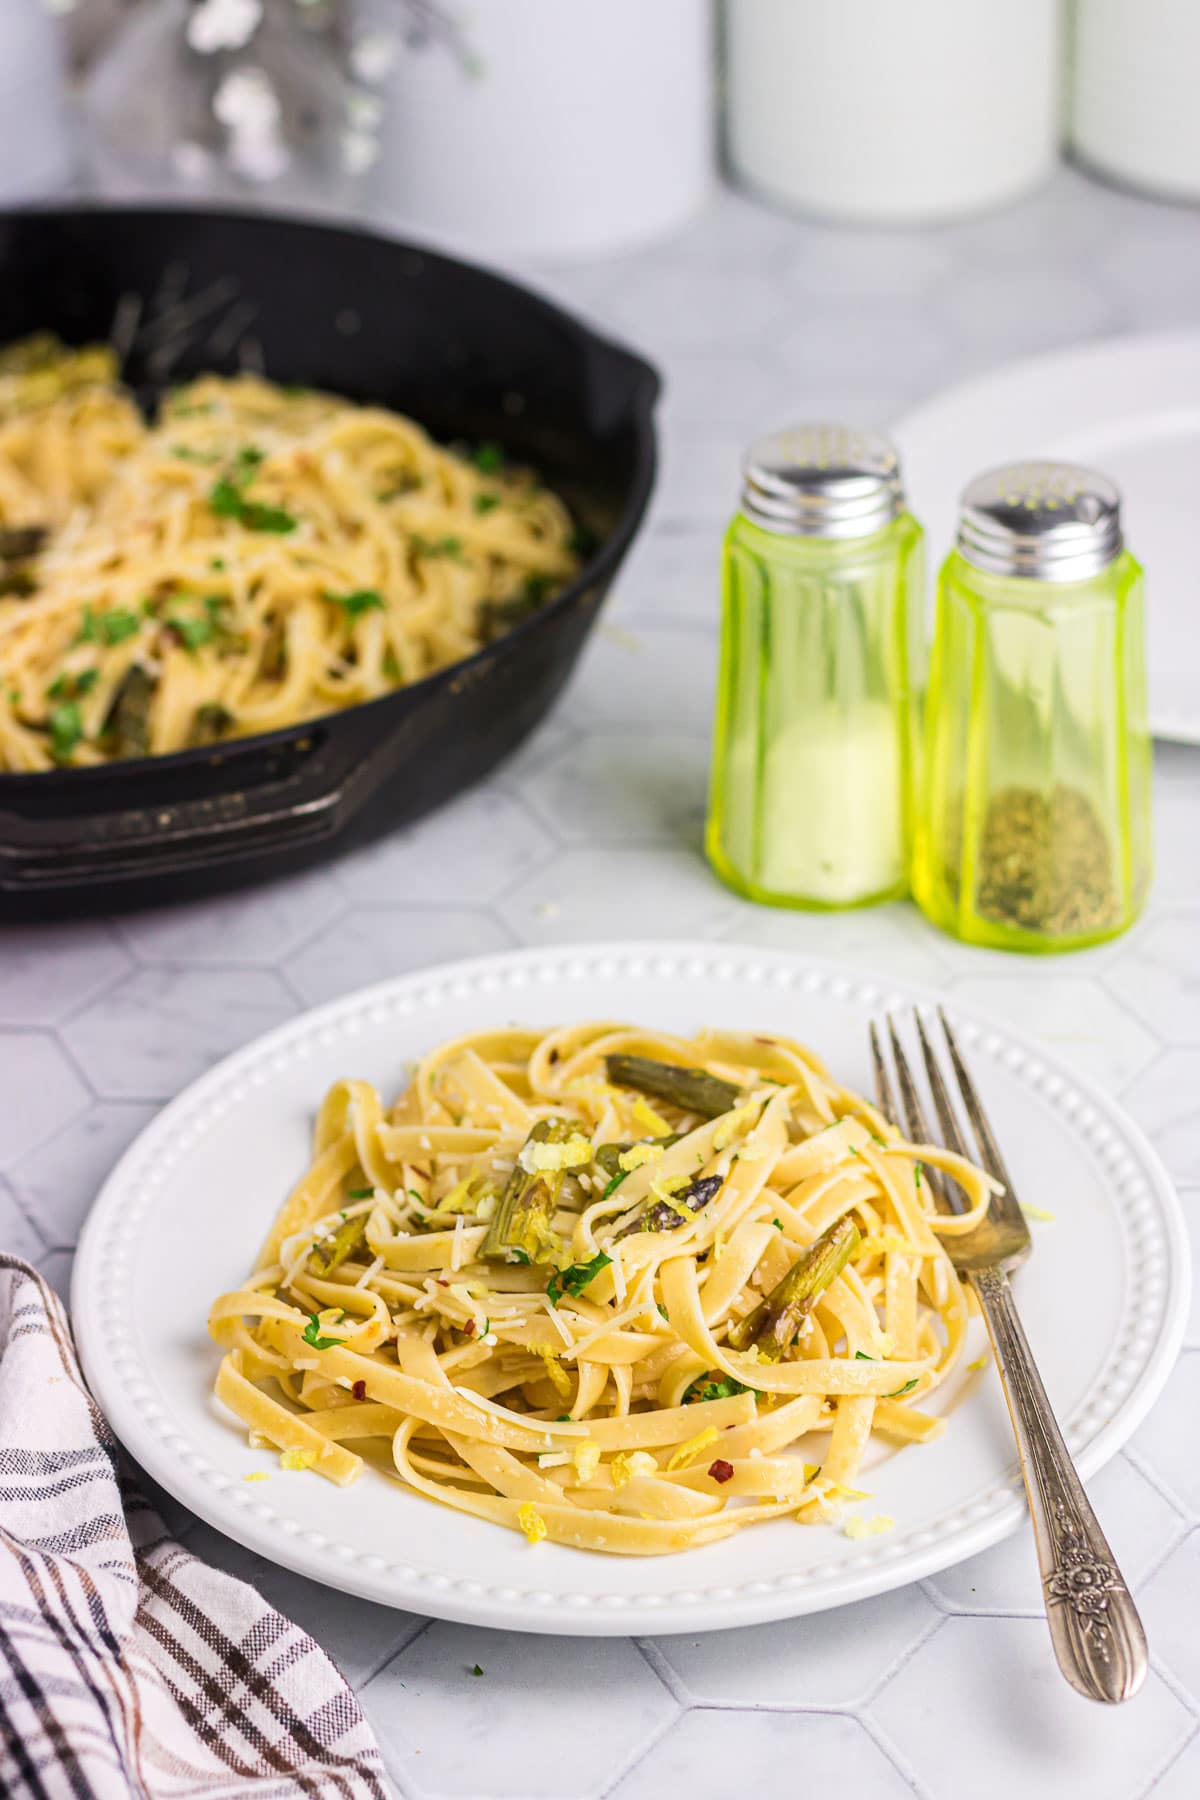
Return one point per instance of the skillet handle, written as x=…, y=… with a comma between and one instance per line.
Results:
x=290, y=809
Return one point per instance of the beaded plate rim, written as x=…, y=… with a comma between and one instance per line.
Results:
x=1153, y=1315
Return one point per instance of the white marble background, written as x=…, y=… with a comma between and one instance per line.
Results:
x=946, y=1689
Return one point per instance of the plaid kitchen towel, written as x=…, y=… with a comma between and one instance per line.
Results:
x=127, y=1666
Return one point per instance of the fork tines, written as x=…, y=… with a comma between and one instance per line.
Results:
x=911, y=1116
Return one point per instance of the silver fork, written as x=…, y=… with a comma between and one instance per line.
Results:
x=1094, y=1625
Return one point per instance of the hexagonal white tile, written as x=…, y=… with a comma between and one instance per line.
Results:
x=619, y=892
x=829, y=1659
x=981, y=1710
x=40, y=1092
x=1166, y=1449
x=1168, y=1608
x=369, y=943
x=47, y=973
x=1163, y=1100
x=57, y=1181
x=1157, y=979
x=159, y=1028
x=258, y=927
x=513, y=1732
x=472, y=850
x=1137, y=1521
x=712, y=1755
x=626, y=789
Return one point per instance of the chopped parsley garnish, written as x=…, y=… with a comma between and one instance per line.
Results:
x=312, y=1334
x=778, y=1224
x=359, y=1193
x=614, y=1184
x=192, y=633
x=485, y=503
x=66, y=686
x=360, y=601
x=477, y=1670
x=906, y=1389
x=662, y=1309
x=576, y=1278
x=413, y=1192
x=725, y=1389
x=917, y=1173
x=87, y=631
x=217, y=562
x=445, y=546
x=488, y=458
x=861, y=1356
x=117, y=625
x=66, y=729
x=228, y=502
x=536, y=588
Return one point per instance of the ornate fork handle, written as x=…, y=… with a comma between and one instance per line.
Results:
x=1094, y=1624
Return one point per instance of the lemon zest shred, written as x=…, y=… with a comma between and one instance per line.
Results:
x=637, y=1155
x=531, y=1522
x=689, y=1451
x=628, y=1464
x=556, y=1372
x=863, y=1528
x=586, y=1458
x=649, y=1120
x=297, y=1459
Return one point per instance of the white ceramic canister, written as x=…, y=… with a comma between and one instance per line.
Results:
x=561, y=129
x=893, y=110
x=1132, y=111
x=36, y=151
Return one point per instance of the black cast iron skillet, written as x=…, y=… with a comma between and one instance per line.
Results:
x=469, y=355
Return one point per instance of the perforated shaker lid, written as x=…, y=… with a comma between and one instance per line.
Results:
x=1045, y=521
x=823, y=481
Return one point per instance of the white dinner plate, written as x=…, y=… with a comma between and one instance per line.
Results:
x=1129, y=406
x=181, y=1218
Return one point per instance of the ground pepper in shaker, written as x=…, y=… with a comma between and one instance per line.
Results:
x=815, y=736
x=1034, y=824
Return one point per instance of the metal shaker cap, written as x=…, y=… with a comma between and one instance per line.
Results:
x=823, y=481
x=1046, y=521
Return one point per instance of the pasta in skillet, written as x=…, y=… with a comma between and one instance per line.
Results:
x=254, y=557
x=625, y=1291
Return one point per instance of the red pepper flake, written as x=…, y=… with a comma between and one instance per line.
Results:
x=468, y=1329
x=721, y=1470
x=440, y=1282
x=553, y=1057
x=359, y=1390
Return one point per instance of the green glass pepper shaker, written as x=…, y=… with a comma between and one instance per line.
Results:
x=815, y=738
x=1034, y=824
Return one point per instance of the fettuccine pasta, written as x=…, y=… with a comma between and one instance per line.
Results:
x=625, y=1291
x=255, y=557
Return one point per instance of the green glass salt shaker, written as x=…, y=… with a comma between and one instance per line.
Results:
x=1034, y=825
x=815, y=737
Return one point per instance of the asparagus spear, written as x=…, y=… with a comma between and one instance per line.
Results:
x=128, y=721
x=775, y=1321
x=521, y=1221
x=662, y=1216
x=695, y=1090
x=609, y=1155
x=333, y=1249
